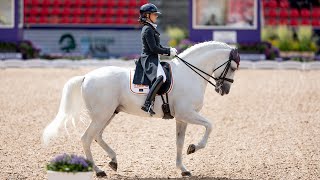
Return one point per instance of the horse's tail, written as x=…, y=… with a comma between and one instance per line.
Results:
x=70, y=106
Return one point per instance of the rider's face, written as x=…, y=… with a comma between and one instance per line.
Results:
x=153, y=17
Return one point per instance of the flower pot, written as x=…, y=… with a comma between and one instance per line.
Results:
x=55, y=175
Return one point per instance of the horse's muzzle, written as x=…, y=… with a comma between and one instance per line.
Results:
x=225, y=88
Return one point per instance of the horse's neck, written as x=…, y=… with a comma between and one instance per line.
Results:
x=204, y=60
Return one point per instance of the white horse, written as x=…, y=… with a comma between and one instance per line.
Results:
x=105, y=91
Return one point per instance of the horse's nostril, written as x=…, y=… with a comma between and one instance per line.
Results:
x=217, y=90
x=226, y=88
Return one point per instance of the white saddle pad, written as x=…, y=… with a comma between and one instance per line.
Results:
x=139, y=88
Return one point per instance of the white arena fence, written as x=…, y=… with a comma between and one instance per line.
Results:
x=63, y=63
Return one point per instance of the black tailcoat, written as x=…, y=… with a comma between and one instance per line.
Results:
x=146, y=66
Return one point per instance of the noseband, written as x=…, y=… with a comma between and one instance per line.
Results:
x=234, y=56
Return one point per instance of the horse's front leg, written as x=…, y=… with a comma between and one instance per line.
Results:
x=180, y=132
x=195, y=118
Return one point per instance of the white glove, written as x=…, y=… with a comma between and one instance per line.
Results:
x=173, y=51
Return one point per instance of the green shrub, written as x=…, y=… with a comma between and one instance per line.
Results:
x=176, y=35
x=26, y=48
x=285, y=36
x=8, y=47
x=268, y=34
x=304, y=34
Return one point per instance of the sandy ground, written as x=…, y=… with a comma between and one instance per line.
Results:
x=268, y=127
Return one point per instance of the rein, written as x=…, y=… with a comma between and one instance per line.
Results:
x=222, y=76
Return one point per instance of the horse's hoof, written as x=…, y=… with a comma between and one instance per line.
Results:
x=113, y=165
x=186, y=174
x=191, y=149
x=101, y=174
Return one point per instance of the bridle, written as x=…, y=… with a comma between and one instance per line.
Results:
x=234, y=56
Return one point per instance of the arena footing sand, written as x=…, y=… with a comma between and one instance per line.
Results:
x=268, y=127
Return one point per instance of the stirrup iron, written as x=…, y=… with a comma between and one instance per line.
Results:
x=150, y=109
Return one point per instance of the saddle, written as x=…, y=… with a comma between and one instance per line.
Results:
x=164, y=89
x=144, y=89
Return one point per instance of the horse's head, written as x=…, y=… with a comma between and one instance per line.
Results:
x=215, y=58
x=224, y=72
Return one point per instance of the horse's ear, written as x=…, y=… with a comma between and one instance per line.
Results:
x=234, y=56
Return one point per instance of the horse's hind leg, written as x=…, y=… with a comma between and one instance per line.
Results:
x=95, y=127
x=180, y=133
x=113, y=163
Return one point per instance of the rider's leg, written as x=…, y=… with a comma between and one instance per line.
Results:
x=152, y=94
x=160, y=72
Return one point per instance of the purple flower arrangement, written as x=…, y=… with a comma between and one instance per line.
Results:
x=69, y=163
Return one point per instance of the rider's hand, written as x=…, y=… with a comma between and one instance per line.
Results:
x=173, y=52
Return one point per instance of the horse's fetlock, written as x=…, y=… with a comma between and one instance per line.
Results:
x=200, y=146
x=208, y=126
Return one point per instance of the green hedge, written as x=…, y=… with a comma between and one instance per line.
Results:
x=26, y=48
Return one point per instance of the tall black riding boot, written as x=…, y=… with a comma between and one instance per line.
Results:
x=147, y=107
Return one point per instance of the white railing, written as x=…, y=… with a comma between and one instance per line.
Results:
x=63, y=63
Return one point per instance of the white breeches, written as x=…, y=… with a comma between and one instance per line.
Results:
x=160, y=72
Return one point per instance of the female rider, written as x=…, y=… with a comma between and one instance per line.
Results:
x=149, y=64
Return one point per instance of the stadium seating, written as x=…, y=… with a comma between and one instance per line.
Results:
x=284, y=13
x=316, y=22
x=305, y=13
x=126, y=12
x=284, y=4
x=294, y=22
x=271, y=13
x=270, y=4
x=271, y=21
x=284, y=21
x=294, y=13
x=306, y=21
x=316, y=13
x=77, y=12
